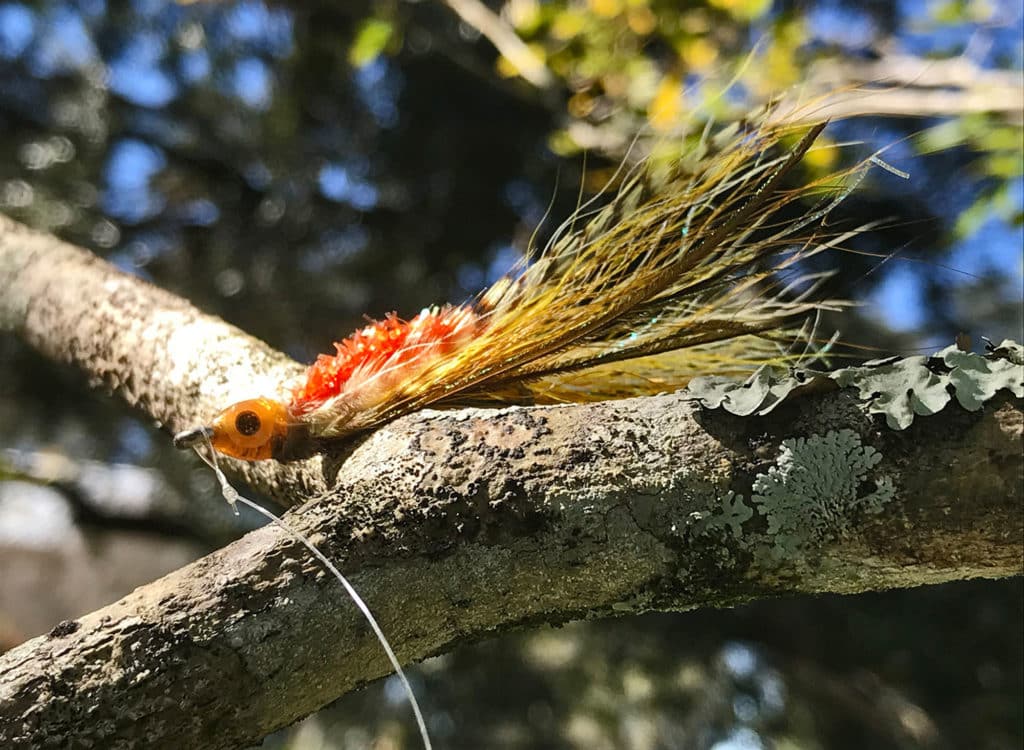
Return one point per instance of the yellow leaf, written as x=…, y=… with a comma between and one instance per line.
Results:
x=742, y=9
x=667, y=105
x=567, y=24
x=371, y=38
x=605, y=8
x=698, y=53
x=562, y=144
x=822, y=155
x=524, y=14
x=641, y=20
x=780, y=62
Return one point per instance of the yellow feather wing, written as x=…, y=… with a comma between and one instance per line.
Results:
x=682, y=273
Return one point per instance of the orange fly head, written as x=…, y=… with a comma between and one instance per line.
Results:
x=251, y=430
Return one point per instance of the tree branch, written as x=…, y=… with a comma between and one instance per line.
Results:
x=454, y=525
x=504, y=38
x=904, y=85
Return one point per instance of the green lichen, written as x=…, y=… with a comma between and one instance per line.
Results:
x=813, y=494
x=978, y=379
x=815, y=489
x=900, y=389
x=897, y=388
x=759, y=394
x=734, y=513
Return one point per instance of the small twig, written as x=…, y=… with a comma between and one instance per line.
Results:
x=505, y=40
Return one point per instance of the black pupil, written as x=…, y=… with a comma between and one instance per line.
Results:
x=247, y=423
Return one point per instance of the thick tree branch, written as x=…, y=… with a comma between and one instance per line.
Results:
x=453, y=525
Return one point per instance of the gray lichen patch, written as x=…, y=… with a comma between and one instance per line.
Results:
x=734, y=513
x=817, y=487
x=921, y=386
x=897, y=388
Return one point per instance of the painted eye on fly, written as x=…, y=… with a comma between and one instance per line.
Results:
x=248, y=424
x=252, y=430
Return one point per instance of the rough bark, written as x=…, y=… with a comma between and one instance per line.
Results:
x=453, y=525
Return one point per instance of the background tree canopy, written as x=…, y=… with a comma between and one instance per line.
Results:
x=294, y=166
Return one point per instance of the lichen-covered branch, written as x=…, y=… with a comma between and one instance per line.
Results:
x=458, y=524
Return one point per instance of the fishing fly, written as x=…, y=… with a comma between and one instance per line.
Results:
x=679, y=275
x=686, y=271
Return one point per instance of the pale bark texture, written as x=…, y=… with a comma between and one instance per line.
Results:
x=454, y=525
